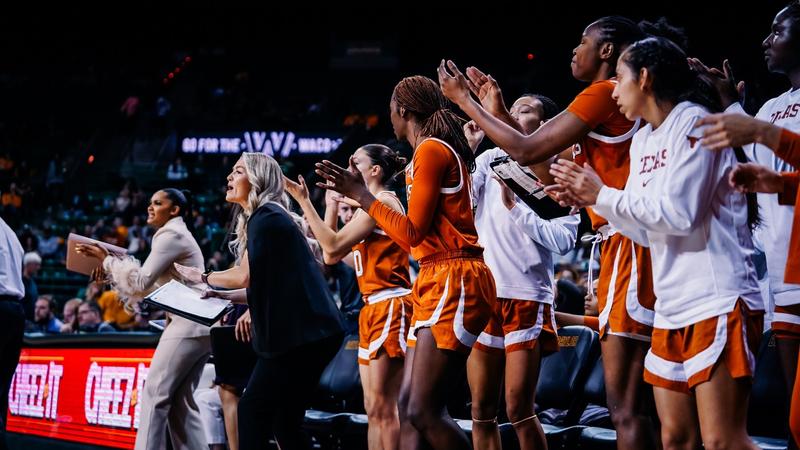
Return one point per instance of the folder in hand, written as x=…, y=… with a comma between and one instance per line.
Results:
x=80, y=263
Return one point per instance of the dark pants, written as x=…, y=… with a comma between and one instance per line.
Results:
x=12, y=326
x=277, y=394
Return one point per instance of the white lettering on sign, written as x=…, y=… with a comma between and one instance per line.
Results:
x=34, y=390
x=110, y=393
x=272, y=143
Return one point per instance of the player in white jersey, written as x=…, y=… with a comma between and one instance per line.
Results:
x=782, y=55
x=519, y=247
x=709, y=311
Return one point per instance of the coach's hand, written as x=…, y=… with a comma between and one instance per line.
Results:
x=243, y=330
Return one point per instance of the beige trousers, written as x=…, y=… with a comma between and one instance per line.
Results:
x=168, y=396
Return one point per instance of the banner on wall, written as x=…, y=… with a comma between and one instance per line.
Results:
x=85, y=395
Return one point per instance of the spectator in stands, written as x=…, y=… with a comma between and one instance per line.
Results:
x=99, y=229
x=31, y=263
x=123, y=201
x=136, y=244
x=216, y=262
x=590, y=312
x=55, y=175
x=176, y=171
x=11, y=200
x=70, y=314
x=30, y=243
x=114, y=312
x=6, y=162
x=141, y=230
x=89, y=319
x=44, y=319
x=203, y=233
x=49, y=243
x=119, y=232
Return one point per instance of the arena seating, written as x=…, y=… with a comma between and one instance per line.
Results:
x=570, y=399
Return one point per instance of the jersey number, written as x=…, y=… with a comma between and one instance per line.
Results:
x=359, y=266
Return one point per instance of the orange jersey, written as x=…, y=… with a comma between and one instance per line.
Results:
x=380, y=263
x=789, y=151
x=606, y=147
x=439, y=204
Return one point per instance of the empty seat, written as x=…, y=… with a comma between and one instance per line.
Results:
x=563, y=373
x=561, y=380
x=338, y=392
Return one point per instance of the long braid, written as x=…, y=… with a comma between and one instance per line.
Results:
x=422, y=97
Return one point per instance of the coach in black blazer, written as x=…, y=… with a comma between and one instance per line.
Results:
x=297, y=328
x=290, y=303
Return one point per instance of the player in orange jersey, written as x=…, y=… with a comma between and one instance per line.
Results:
x=454, y=294
x=599, y=134
x=381, y=266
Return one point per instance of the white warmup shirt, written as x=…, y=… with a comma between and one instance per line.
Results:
x=678, y=201
x=776, y=220
x=518, y=244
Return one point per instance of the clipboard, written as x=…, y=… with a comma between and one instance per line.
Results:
x=185, y=302
x=527, y=186
x=77, y=262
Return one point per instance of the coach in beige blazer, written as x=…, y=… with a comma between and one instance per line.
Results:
x=184, y=345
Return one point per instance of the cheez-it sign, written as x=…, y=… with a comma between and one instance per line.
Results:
x=91, y=396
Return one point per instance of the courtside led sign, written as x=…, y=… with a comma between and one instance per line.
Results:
x=92, y=396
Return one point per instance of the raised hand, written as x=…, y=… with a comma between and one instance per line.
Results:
x=487, y=90
x=190, y=274
x=729, y=90
x=454, y=86
x=474, y=134
x=298, y=190
x=347, y=182
x=751, y=177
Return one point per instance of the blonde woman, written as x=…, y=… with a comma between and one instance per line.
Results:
x=297, y=328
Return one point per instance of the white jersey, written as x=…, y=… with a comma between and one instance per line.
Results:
x=776, y=220
x=679, y=202
x=519, y=245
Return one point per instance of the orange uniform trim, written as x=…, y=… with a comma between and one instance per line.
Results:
x=439, y=204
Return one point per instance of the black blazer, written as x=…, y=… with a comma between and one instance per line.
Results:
x=290, y=304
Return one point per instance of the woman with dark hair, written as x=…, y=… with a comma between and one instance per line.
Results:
x=519, y=247
x=454, y=294
x=678, y=202
x=593, y=131
x=782, y=56
x=381, y=267
x=184, y=345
